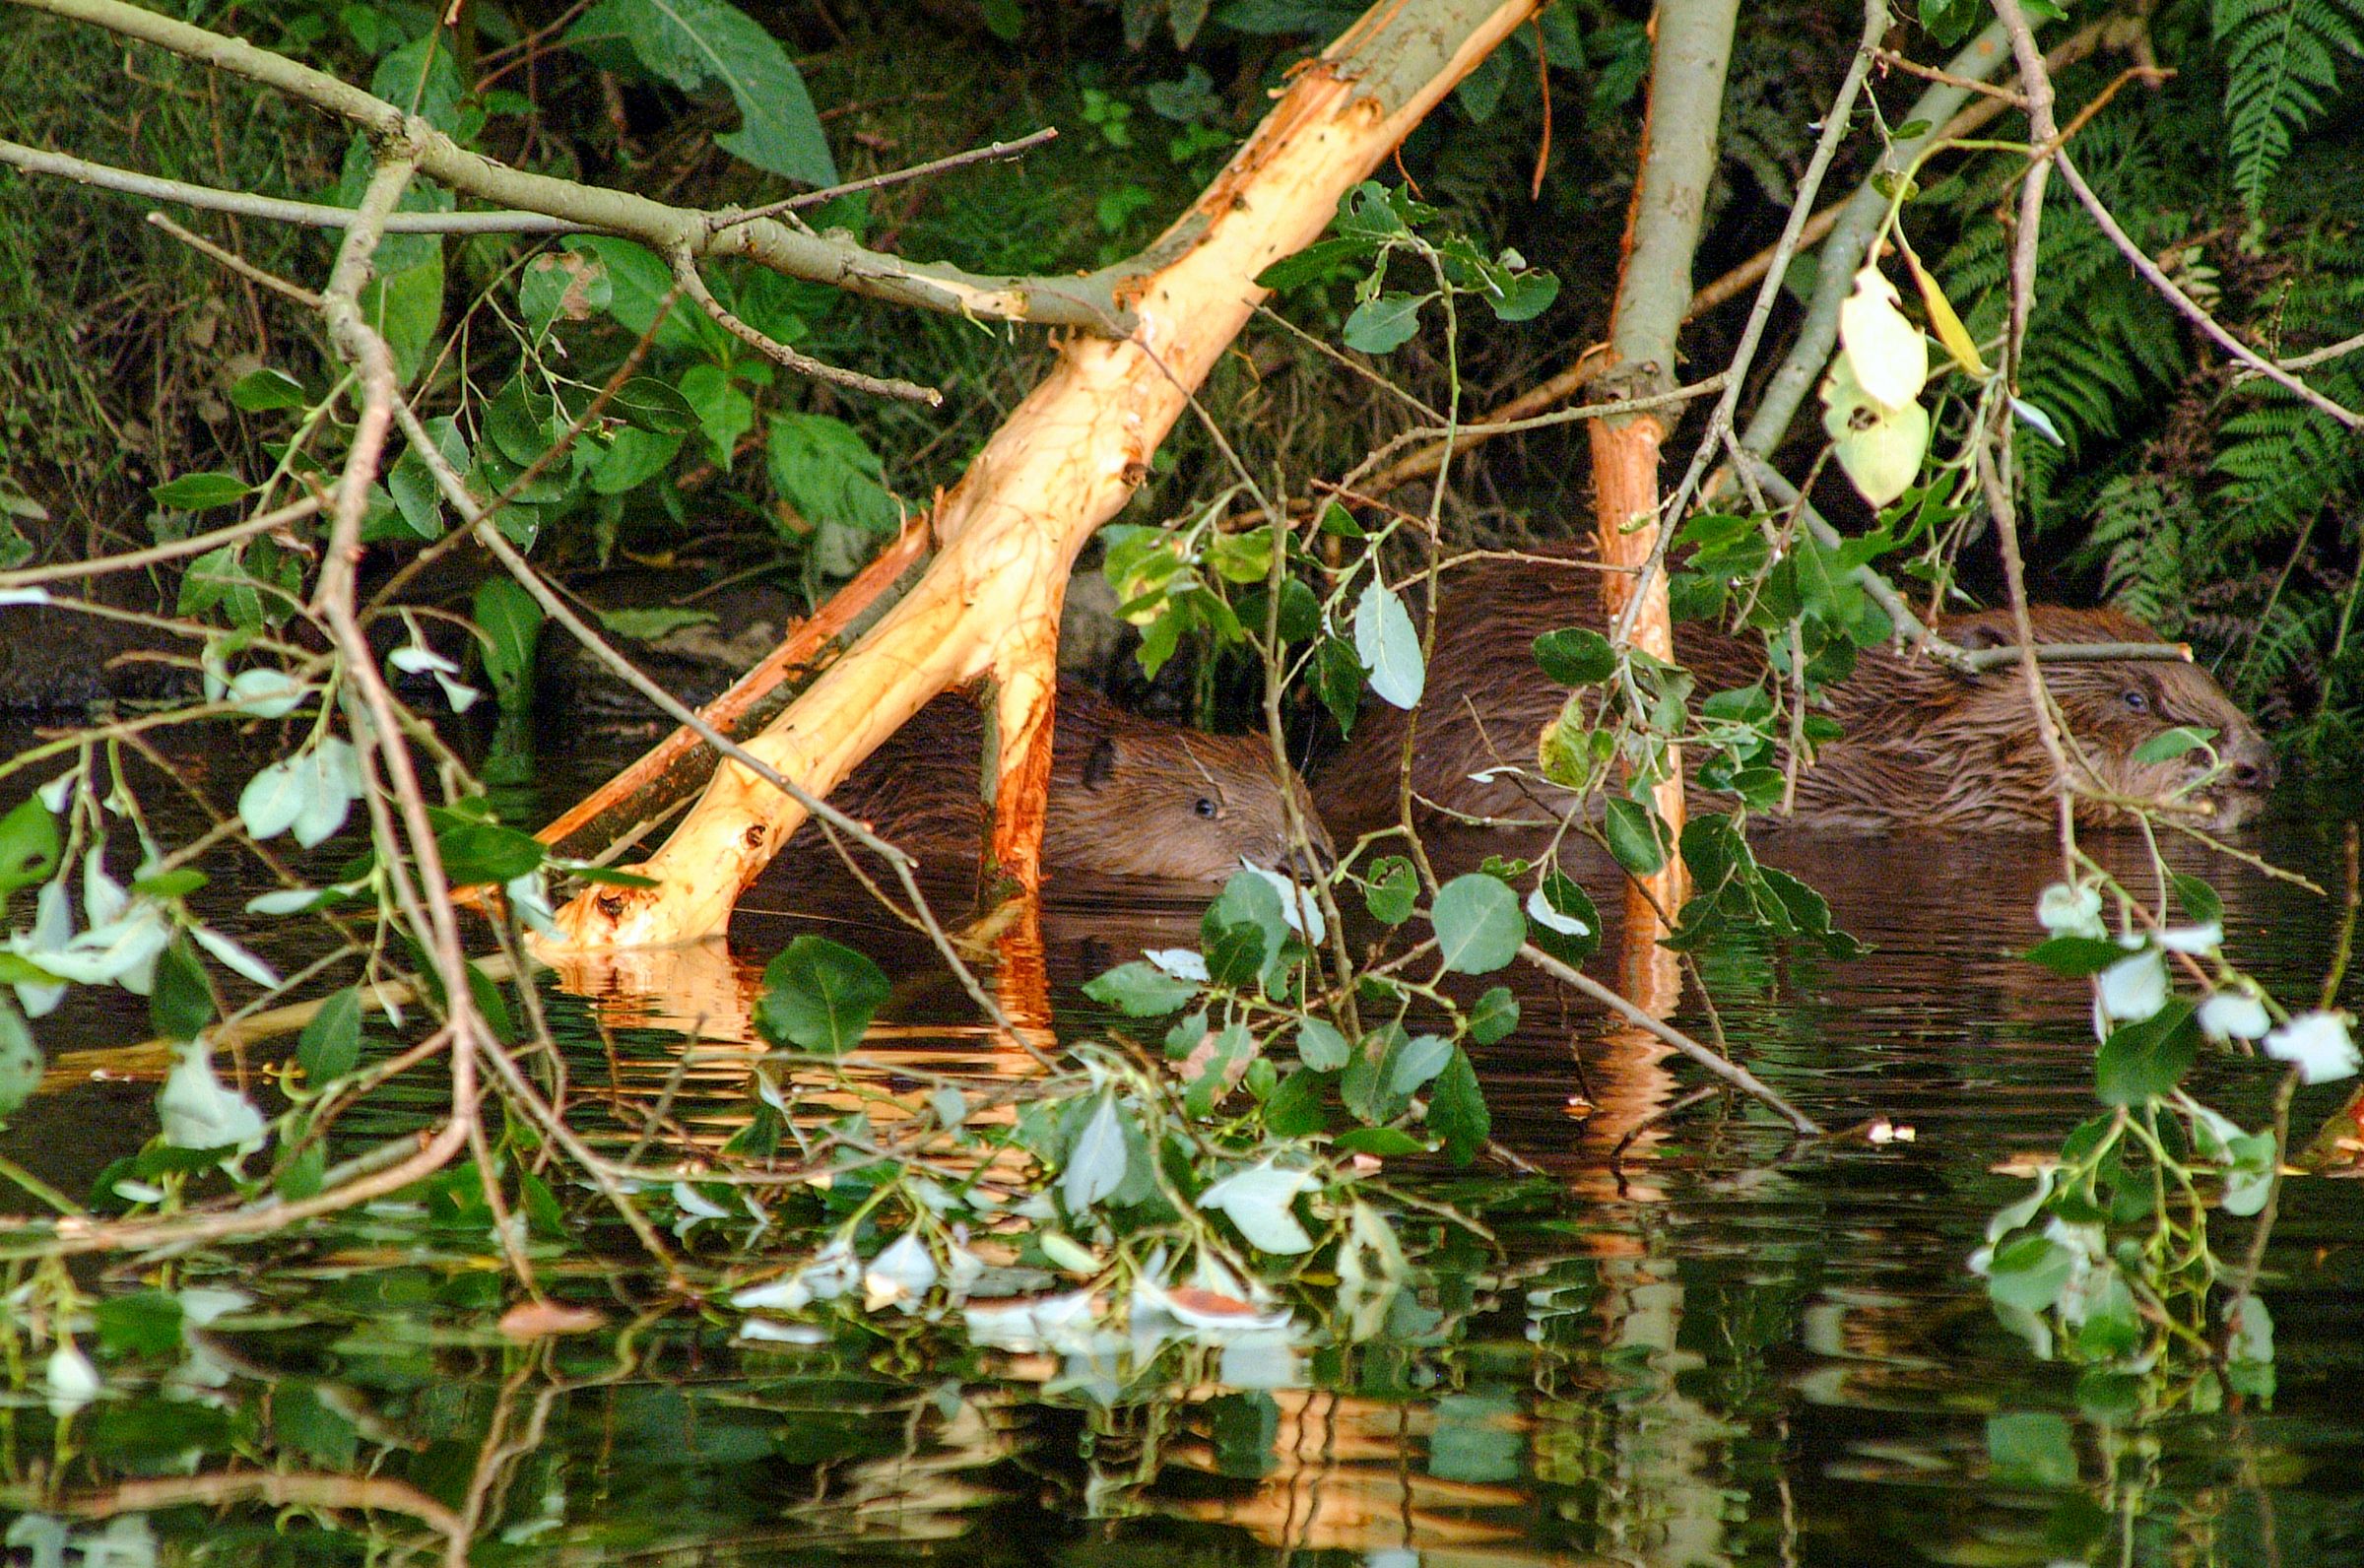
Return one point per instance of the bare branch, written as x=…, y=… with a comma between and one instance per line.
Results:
x=684, y=272
x=991, y=153
x=1089, y=303
x=2190, y=308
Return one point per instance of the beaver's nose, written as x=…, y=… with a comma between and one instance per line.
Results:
x=2251, y=765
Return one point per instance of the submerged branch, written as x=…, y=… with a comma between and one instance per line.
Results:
x=1723, y=1067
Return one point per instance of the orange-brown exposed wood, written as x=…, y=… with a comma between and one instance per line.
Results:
x=1063, y=463
x=627, y=805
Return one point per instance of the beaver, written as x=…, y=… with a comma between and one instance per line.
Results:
x=1924, y=746
x=1130, y=796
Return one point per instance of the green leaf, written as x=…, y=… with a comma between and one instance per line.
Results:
x=144, y=1323
x=2029, y=1272
x=819, y=994
x=2074, y=957
x=512, y=622
x=1576, y=657
x=1457, y=1110
x=827, y=471
x=406, y=306
x=176, y=884
x=1388, y=646
x=2032, y=1447
x=652, y=622
x=1096, y=1162
x=1523, y=295
x=2145, y=1060
x=1393, y=887
x=331, y=1043
x=640, y=284
x=1383, y=325
x=197, y=492
x=180, y=1004
x=1479, y=927
x=1321, y=1047
x=1384, y=1141
x=412, y=484
x=481, y=852
x=1636, y=837
x=648, y=404
x=19, y=1058
x=630, y=459
x=692, y=43
x=1411, y=1063
x=1140, y=990
x=2168, y=744
x=1567, y=926
x=1714, y=850
x=1315, y=262
x=1295, y=1109
x=1495, y=1015
x=2200, y=901
x=29, y=845
x=1338, y=681
x=2113, y=1325
x=725, y=412
x=1248, y=904
x=262, y=390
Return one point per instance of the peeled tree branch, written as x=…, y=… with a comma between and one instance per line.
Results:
x=1693, y=47
x=1065, y=462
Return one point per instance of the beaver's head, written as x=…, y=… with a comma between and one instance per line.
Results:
x=1160, y=802
x=2115, y=706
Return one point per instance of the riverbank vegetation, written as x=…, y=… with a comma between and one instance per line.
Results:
x=377, y=328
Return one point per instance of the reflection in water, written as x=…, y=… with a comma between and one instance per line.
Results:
x=1731, y=1349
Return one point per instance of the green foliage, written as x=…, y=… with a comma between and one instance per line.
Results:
x=691, y=43
x=2281, y=73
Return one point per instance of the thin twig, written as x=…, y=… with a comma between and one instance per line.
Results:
x=685, y=269
x=2190, y=308
x=171, y=550
x=235, y=262
x=1722, y=1067
x=273, y=208
x=991, y=153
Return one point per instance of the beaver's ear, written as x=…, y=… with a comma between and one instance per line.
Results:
x=1984, y=634
x=1101, y=765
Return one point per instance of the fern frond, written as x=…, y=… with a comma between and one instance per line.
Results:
x=2281, y=67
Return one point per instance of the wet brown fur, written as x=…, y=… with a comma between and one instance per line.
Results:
x=1925, y=747
x=1130, y=796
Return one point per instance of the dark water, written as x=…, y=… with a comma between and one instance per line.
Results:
x=1727, y=1348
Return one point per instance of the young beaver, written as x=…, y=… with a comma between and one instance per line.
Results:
x=1130, y=796
x=1925, y=747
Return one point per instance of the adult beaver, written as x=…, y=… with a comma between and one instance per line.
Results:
x=1130, y=796
x=1924, y=746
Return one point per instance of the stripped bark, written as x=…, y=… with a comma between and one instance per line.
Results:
x=1064, y=463
x=1693, y=48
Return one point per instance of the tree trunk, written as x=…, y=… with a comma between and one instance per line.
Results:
x=1064, y=463
x=1692, y=46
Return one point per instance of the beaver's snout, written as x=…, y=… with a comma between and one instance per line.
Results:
x=2250, y=766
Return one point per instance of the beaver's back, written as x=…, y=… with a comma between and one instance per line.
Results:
x=1924, y=746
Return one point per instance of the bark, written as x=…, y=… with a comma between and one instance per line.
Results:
x=1693, y=47
x=624, y=808
x=1064, y=463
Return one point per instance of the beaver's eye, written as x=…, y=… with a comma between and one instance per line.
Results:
x=1204, y=805
x=2135, y=700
